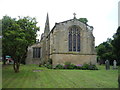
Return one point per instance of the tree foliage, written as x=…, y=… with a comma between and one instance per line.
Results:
x=105, y=52
x=17, y=36
x=83, y=20
x=116, y=44
x=110, y=49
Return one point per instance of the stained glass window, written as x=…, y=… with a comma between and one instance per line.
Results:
x=74, y=39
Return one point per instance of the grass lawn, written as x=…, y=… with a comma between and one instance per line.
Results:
x=0, y=74
x=48, y=78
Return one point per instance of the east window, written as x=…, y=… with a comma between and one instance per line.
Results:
x=74, y=39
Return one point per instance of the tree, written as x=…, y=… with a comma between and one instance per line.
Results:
x=28, y=24
x=116, y=44
x=105, y=51
x=17, y=36
x=83, y=20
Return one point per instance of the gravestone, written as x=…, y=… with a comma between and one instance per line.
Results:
x=107, y=65
x=114, y=64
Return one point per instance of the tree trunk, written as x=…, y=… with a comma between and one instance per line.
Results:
x=16, y=66
x=4, y=60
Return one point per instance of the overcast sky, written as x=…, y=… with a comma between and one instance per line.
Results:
x=101, y=14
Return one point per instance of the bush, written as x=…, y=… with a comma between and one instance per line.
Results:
x=78, y=66
x=68, y=65
x=72, y=66
x=59, y=66
x=50, y=61
x=92, y=67
x=45, y=65
x=49, y=66
x=89, y=67
x=85, y=66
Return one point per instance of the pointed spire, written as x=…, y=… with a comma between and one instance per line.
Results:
x=47, y=28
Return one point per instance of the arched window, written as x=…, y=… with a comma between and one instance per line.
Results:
x=74, y=39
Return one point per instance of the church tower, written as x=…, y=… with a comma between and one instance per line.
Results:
x=47, y=27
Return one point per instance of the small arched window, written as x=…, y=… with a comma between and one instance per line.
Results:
x=74, y=39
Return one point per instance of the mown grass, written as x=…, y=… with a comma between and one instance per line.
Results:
x=48, y=78
x=0, y=75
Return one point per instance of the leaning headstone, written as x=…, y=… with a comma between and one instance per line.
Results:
x=107, y=65
x=114, y=64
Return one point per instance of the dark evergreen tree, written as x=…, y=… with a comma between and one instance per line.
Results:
x=116, y=44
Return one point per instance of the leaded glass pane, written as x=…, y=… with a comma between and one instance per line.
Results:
x=78, y=42
x=70, y=42
x=74, y=42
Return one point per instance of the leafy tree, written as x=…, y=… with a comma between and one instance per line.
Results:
x=28, y=24
x=116, y=44
x=105, y=51
x=17, y=36
x=83, y=20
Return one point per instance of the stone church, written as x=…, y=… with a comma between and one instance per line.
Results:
x=68, y=41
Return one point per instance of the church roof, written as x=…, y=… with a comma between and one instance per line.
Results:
x=66, y=22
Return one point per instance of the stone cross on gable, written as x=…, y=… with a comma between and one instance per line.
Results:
x=74, y=15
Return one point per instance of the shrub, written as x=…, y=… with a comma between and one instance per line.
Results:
x=45, y=65
x=72, y=66
x=85, y=66
x=78, y=66
x=50, y=61
x=49, y=66
x=59, y=66
x=92, y=67
x=68, y=65
x=89, y=67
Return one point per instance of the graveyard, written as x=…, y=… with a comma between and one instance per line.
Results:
x=32, y=76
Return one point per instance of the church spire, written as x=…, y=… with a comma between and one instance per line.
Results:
x=47, y=28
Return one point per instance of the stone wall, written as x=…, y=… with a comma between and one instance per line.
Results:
x=73, y=58
x=59, y=44
x=30, y=59
x=59, y=38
